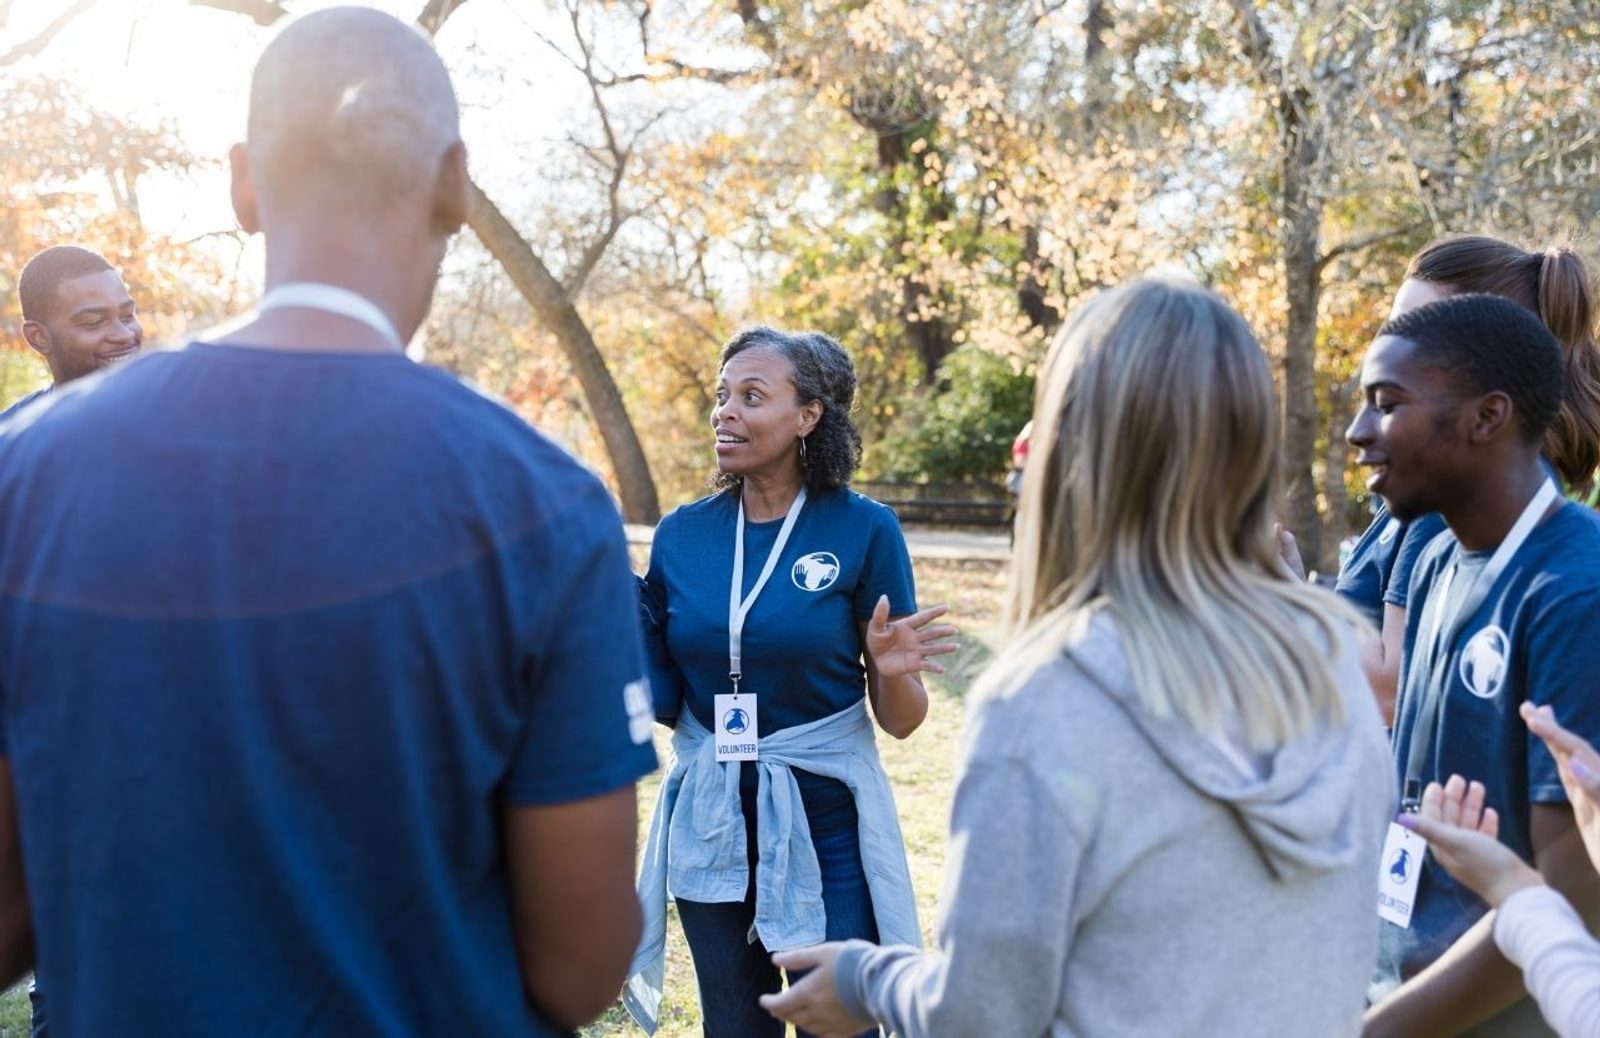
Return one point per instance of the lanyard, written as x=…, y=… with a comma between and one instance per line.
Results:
x=739, y=609
x=314, y=295
x=1437, y=631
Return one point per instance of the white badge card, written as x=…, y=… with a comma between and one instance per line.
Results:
x=736, y=732
x=1398, y=875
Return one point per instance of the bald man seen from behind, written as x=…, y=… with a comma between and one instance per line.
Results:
x=320, y=695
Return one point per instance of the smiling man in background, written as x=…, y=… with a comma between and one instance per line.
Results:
x=77, y=314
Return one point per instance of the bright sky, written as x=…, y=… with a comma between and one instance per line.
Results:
x=164, y=60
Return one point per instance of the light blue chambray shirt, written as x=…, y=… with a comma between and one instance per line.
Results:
x=696, y=848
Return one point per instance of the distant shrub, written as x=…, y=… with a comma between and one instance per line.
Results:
x=965, y=431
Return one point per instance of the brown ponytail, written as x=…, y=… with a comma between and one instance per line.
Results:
x=1555, y=285
x=1566, y=307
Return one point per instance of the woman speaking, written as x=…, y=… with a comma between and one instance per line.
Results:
x=786, y=608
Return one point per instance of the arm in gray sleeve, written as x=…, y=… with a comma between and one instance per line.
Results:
x=1538, y=930
x=1007, y=918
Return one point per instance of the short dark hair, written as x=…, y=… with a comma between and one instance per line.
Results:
x=1489, y=343
x=43, y=274
x=822, y=371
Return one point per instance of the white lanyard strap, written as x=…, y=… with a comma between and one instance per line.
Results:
x=738, y=608
x=1439, y=630
x=1444, y=628
x=315, y=295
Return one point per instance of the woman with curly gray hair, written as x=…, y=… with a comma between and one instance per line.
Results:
x=788, y=610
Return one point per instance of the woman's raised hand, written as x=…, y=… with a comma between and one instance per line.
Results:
x=1580, y=772
x=1463, y=835
x=908, y=645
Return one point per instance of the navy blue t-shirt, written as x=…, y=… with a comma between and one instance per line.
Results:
x=1380, y=566
x=24, y=402
x=280, y=636
x=801, y=645
x=1531, y=639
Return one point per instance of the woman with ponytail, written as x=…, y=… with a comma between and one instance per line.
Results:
x=1556, y=285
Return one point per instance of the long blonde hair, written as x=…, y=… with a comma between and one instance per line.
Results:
x=1150, y=491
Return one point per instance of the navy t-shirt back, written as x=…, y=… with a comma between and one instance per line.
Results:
x=280, y=636
x=17, y=407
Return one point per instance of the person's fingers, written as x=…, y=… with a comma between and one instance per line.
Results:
x=1455, y=788
x=1584, y=775
x=1573, y=753
x=1289, y=552
x=1432, y=806
x=930, y=667
x=941, y=649
x=880, y=614
x=1429, y=828
x=939, y=633
x=780, y=1004
x=1490, y=826
x=1472, y=806
x=924, y=616
x=1542, y=722
x=799, y=959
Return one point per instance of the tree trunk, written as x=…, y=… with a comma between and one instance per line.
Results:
x=934, y=339
x=1302, y=216
x=1334, y=460
x=543, y=292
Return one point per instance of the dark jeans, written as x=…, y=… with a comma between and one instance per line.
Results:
x=733, y=971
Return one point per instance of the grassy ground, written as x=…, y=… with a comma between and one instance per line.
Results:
x=921, y=770
x=16, y=1017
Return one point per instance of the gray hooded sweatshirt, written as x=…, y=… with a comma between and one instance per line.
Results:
x=1109, y=873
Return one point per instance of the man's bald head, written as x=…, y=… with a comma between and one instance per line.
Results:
x=349, y=103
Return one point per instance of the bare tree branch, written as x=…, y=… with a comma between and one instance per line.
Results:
x=433, y=16
x=41, y=40
x=262, y=12
x=673, y=69
x=614, y=157
x=555, y=310
x=1257, y=45
x=1355, y=245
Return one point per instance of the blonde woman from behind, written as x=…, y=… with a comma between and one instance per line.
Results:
x=1175, y=784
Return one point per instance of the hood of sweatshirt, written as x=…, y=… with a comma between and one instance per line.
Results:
x=1303, y=805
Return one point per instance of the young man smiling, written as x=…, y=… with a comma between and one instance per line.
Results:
x=76, y=314
x=1458, y=395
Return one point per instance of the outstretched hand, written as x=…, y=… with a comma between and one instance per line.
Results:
x=1462, y=835
x=908, y=645
x=1580, y=772
x=812, y=1003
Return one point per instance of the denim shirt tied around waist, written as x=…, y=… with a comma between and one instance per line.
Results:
x=696, y=848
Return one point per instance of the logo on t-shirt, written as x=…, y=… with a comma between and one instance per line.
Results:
x=816, y=571
x=641, y=711
x=1483, y=662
